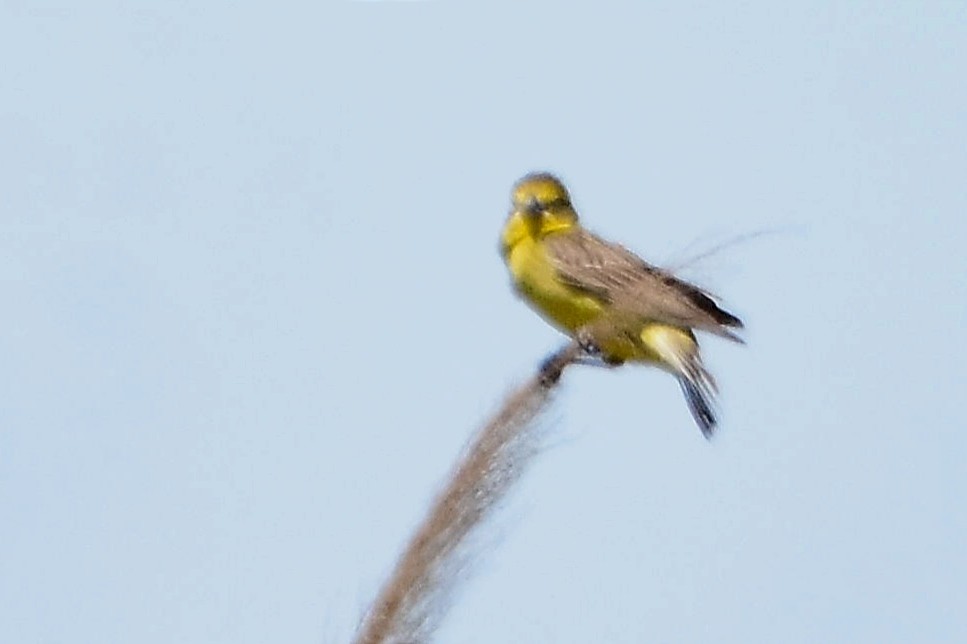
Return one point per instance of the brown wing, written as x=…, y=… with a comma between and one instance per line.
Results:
x=614, y=274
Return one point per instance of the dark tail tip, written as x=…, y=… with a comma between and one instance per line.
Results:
x=726, y=318
x=700, y=404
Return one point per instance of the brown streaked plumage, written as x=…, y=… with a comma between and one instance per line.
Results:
x=616, y=276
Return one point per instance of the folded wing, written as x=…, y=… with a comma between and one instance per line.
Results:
x=615, y=275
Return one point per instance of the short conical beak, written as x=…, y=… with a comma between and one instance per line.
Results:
x=533, y=208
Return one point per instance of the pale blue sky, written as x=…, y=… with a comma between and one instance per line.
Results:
x=254, y=308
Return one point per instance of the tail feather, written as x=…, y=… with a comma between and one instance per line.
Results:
x=678, y=350
x=700, y=403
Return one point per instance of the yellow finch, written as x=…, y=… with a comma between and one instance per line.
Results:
x=619, y=307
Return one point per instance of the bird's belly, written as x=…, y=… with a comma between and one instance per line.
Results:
x=536, y=280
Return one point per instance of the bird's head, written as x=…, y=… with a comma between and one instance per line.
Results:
x=542, y=199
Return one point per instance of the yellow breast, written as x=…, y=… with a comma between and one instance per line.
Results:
x=535, y=279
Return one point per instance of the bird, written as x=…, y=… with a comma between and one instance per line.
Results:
x=617, y=306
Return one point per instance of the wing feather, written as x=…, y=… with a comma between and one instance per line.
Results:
x=617, y=276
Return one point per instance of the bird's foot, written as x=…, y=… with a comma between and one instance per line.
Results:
x=588, y=346
x=598, y=361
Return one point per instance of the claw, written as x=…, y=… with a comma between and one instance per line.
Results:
x=586, y=341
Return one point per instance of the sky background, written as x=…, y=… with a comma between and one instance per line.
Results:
x=254, y=308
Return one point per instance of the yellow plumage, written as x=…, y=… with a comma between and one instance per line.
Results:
x=612, y=301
